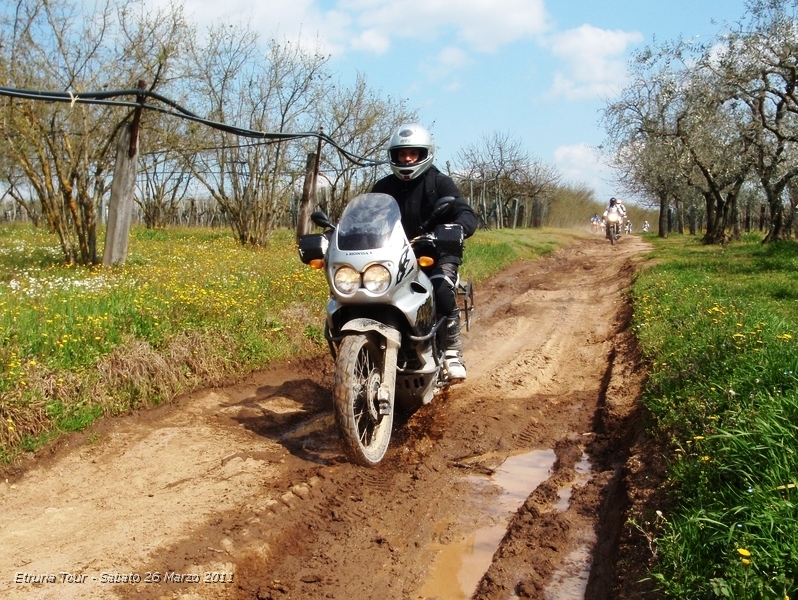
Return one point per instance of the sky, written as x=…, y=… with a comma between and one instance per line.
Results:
x=538, y=70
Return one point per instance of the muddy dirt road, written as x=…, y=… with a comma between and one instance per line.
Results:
x=508, y=485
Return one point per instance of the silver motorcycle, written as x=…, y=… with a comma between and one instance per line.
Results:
x=381, y=326
x=614, y=225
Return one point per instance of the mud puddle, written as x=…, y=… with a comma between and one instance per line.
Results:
x=459, y=566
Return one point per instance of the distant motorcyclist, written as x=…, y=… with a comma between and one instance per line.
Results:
x=416, y=185
x=646, y=226
x=616, y=206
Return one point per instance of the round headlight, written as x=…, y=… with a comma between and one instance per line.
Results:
x=346, y=280
x=376, y=279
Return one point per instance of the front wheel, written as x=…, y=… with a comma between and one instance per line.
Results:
x=612, y=235
x=358, y=376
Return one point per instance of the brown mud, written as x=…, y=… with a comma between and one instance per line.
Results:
x=516, y=483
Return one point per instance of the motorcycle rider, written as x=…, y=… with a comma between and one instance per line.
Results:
x=614, y=202
x=617, y=206
x=416, y=184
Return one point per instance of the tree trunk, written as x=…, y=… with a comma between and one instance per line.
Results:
x=663, y=215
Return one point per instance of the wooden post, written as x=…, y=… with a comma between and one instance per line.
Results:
x=303, y=224
x=123, y=189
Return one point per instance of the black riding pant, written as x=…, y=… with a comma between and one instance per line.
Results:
x=444, y=279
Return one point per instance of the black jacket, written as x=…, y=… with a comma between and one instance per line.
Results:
x=417, y=197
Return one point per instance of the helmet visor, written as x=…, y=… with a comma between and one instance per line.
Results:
x=423, y=153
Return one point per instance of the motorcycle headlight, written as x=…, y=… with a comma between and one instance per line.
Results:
x=376, y=279
x=346, y=280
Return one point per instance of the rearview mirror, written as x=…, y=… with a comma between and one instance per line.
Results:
x=320, y=218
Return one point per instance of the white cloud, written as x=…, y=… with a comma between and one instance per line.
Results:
x=298, y=20
x=595, y=61
x=580, y=164
x=371, y=40
x=447, y=61
x=372, y=25
x=484, y=26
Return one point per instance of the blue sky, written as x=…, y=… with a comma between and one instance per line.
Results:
x=540, y=70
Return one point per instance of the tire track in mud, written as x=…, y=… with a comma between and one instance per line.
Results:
x=261, y=490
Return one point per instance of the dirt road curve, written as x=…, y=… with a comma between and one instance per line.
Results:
x=508, y=485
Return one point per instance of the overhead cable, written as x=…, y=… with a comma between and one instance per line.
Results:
x=108, y=98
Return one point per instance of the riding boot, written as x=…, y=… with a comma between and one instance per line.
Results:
x=453, y=352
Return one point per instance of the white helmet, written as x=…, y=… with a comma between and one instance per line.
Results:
x=411, y=135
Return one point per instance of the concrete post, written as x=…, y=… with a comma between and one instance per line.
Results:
x=120, y=208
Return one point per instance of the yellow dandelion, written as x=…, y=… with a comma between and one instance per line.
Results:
x=743, y=552
x=745, y=561
x=699, y=437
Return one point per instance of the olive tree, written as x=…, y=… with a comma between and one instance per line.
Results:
x=759, y=66
x=671, y=131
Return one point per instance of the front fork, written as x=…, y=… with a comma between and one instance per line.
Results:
x=391, y=339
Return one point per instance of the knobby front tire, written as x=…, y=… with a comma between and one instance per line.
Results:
x=358, y=374
x=612, y=234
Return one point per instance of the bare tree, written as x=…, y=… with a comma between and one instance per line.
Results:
x=164, y=183
x=361, y=121
x=498, y=166
x=65, y=152
x=269, y=90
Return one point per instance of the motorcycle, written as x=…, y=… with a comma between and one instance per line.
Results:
x=613, y=219
x=381, y=325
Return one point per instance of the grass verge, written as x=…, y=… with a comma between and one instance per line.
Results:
x=719, y=327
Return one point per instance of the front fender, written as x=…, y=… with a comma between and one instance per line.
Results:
x=391, y=334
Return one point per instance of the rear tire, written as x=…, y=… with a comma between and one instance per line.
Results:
x=358, y=375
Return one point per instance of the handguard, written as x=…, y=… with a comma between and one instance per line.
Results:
x=312, y=246
x=449, y=239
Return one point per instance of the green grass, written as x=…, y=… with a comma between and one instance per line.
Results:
x=720, y=329
x=487, y=252
x=189, y=308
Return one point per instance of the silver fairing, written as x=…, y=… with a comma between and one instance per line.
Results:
x=371, y=233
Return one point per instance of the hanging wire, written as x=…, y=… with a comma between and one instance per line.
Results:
x=108, y=98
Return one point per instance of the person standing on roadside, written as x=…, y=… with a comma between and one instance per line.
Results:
x=416, y=184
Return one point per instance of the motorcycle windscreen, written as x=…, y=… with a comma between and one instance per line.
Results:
x=368, y=222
